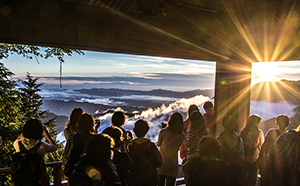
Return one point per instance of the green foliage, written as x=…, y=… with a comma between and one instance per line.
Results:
x=17, y=105
x=31, y=100
x=10, y=118
x=30, y=51
x=57, y=155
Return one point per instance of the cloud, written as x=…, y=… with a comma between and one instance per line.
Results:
x=132, y=83
x=268, y=110
x=149, y=59
x=70, y=82
x=108, y=61
x=144, y=75
x=137, y=81
x=156, y=116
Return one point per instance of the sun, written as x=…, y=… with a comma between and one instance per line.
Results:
x=265, y=71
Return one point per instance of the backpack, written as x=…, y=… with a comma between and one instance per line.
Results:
x=284, y=161
x=250, y=143
x=231, y=155
x=27, y=166
x=76, y=152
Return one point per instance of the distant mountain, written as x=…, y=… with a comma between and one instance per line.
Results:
x=283, y=90
x=294, y=122
x=62, y=108
x=113, y=92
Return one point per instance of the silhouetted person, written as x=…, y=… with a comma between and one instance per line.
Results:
x=118, y=120
x=284, y=161
x=195, y=132
x=120, y=159
x=95, y=167
x=282, y=122
x=70, y=130
x=85, y=130
x=253, y=139
x=31, y=137
x=183, y=148
x=212, y=171
x=169, y=141
x=145, y=157
x=209, y=118
x=232, y=145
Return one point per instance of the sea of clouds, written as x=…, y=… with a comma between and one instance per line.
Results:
x=159, y=115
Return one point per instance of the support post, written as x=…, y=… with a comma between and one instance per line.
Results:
x=57, y=172
x=232, y=92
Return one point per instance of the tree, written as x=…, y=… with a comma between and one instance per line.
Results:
x=17, y=104
x=31, y=107
x=31, y=100
x=10, y=118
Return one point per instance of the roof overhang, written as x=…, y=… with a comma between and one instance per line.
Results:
x=247, y=31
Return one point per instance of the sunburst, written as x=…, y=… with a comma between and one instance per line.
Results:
x=265, y=71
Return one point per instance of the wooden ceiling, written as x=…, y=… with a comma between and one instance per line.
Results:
x=212, y=30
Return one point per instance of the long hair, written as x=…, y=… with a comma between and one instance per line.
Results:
x=74, y=117
x=197, y=123
x=253, y=122
x=175, y=123
x=251, y=131
x=85, y=123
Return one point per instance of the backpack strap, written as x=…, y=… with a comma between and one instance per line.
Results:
x=22, y=147
x=32, y=150
x=35, y=148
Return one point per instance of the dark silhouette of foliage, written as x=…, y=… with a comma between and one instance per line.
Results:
x=31, y=100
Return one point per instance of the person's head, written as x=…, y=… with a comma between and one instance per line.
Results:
x=282, y=121
x=98, y=148
x=73, y=120
x=253, y=121
x=208, y=105
x=141, y=128
x=175, y=123
x=118, y=118
x=196, y=119
x=197, y=123
x=209, y=147
x=33, y=129
x=85, y=123
x=192, y=108
x=229, y=123
x=116, y=133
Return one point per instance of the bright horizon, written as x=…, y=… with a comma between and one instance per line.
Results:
x=109, y=70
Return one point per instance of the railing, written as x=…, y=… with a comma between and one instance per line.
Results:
x=57, y=172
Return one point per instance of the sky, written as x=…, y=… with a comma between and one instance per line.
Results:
x=108, y=70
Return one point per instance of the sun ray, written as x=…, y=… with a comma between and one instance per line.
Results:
x=277, y=91
x=283, y=34
x=243, y=32
x=290, y=89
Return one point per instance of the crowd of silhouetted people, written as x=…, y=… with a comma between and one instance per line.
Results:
x=119, y=157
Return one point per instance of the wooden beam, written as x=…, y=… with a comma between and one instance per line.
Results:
x=232, y=92
x=74, y=25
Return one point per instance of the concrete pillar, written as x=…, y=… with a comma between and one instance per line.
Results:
x=232, y=92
